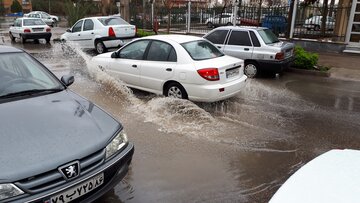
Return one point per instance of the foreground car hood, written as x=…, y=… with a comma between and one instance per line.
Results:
x=42, y=133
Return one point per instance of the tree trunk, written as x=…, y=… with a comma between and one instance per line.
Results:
x=332, y=2
x=259, y=11
x=324, y=16
x=290, y=18
x=168, y=22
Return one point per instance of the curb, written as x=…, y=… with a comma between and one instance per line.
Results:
x=309, y=72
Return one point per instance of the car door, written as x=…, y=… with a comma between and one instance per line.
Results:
x=75, y=34
x=218, y=37
x=159, y=65
x=87, y=34
x=239, y=45
x=127, y=66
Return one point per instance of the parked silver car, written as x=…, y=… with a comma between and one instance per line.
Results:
x=316, y=21
x=55, y=145
x=257, y=46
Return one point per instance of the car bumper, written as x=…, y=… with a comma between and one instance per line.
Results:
x=36, y=35
x=111, y=42
x=114, y=171
x=212, y=93
x=275, y=66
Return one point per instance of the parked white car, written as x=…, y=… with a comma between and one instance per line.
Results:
x=44, y=15
x=179, y=66
x=226, y=19
x=29, y=28
x=46, y=19
x=332, y=177
x=316, y=21
x=100, y=33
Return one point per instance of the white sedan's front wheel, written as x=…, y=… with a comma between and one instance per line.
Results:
x=175, y=90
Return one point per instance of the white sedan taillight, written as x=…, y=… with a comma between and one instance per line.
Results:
x=211, y=74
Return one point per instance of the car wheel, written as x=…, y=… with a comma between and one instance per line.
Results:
x=100, y=47
x=47, y=39
x=210, y=25
x=251, y=69
x=317, y=27
x=175, y=90
x=22, y=39
x=12, y=37
x=229, y=24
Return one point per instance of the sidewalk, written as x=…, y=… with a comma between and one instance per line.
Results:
x=343, y=65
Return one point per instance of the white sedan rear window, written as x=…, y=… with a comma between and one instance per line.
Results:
x=113, y=21
x=201, y=50
x=30, y=22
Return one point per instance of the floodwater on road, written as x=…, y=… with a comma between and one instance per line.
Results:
x=238, y=150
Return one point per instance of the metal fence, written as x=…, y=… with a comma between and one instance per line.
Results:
x=308, y=21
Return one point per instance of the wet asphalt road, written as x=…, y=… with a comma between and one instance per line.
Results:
x=238, y=150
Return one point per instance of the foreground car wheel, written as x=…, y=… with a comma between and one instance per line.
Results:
x=100, y=47
x=210, y=25
x=175, y=90
x=251, y=69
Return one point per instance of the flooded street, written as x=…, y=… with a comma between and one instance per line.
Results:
x=238, y=150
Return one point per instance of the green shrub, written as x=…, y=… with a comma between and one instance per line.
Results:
x=15, y=7
x=304, y=59
x=143, y=33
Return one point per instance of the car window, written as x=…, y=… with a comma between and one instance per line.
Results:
x=254, y=39
x=31, y=22
x=17, y=23
x=28, y=73
x=201, y=50
x=172, y=55
x=240, y=38
x=159, y=51
x=134, y=50
x=88, y=25
x=217, y=37
x=268, y=36
x=112, y=21
x=77, y=26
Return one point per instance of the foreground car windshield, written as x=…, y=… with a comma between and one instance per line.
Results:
x=201, y=50
x=112, y=21
x=29, y=22
x=268, y=36
x=19, y=72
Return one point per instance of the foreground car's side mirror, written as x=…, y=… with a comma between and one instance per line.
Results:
x=115, y=55
x=68, y=30
x=67, y=80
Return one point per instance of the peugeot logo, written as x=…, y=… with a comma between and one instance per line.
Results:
x=70, y=170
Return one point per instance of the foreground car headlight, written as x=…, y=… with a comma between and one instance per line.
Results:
x=9, y=190
x=119, y=142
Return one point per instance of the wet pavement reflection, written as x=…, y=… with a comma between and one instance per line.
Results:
x=238, y=150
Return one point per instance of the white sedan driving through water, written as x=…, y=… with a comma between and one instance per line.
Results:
x=180, y=66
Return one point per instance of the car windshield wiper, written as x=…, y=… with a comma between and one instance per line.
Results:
x=31, y=92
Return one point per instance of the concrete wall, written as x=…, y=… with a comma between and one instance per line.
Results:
x=319, y=46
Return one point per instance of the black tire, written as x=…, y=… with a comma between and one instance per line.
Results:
x=22, y=39
x=175, y=90
x=229, y=24
x=100, y=47
x=12, y=37
x=210, y=25
x=251, y=69
x=47, y=39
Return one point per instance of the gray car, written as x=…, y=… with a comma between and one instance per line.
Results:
x=55, y=145
x=260, y=49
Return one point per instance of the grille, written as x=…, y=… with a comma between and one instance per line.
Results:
x=38, y=29
x=53, y=178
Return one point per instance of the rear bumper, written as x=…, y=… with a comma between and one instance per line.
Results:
x=275, y=66
x=211, y=93
x=43, y=35
x=114, y=171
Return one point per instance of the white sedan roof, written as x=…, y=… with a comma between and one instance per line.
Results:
x=332, y=177
x=175, y=38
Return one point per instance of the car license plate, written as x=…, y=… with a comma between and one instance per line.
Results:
x=78, y=190
x=232, y=73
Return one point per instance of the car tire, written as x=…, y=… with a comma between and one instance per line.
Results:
x=229, y=24
x=12, y=37
x=317, y=27
x=47, y=39
x=251, y=69
x=100, y=47
x=210, y=25
x=22, y=39
x=175, y=90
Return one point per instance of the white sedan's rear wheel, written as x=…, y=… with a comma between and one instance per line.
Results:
x=12, y=37
x=251, y=69
x=100, y=47
x=175, y=90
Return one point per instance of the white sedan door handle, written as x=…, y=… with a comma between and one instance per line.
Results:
x=169, y=69
x=134, y=66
